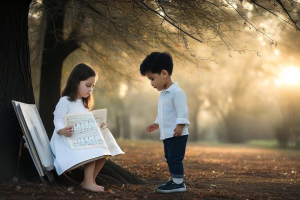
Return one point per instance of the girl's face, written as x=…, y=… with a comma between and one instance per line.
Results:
x=85, y=88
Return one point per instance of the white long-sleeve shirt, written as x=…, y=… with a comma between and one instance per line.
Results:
x=172, y=110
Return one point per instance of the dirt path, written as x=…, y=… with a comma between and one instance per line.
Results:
x=212, y=172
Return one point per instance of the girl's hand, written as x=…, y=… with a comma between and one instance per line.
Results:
x=67, y=131
x=178, y=130
x=103, y=125
x=152, y=127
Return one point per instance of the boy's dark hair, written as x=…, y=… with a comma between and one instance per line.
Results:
x=81, y=72
x=156, y=62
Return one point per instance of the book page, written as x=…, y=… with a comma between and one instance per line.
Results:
x=100, y=116
x=86, y=133
x=112, y=145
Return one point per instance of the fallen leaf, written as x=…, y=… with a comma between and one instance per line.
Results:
x=18, y=188
x=60, y=193
x=110, y=191
x=239, y=181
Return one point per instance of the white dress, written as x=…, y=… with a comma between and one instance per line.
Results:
x=64, y=157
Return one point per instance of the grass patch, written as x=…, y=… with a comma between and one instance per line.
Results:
x=263, y=143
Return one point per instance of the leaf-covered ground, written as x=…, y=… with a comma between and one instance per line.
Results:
x=211, y=172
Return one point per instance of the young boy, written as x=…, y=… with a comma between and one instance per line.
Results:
x=172, y=119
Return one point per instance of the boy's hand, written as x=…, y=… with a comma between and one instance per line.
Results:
x=67, y=131
x=178, y=130
x=152, y=128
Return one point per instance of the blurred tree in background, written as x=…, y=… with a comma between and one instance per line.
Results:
x=115, y=36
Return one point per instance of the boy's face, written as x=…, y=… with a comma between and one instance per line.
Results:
x=158, y=81
x=85, y=88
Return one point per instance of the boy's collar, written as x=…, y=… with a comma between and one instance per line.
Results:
x=172, y=87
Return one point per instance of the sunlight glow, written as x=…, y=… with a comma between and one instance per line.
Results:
x=123, y=90
x=249, y=14
x=161, y=13
x=206, y=103
x=247, y=6
x=234, y=5
x=231, y=4
x=290, y=75
x=278, y=82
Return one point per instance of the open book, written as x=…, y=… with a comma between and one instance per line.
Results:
x=89, y=131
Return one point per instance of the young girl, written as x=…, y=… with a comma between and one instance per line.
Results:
x=76, y=98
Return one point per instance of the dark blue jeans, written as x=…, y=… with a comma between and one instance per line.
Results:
x=174, y=153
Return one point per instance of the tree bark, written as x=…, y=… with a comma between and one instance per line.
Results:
x=55, y=51
x=15, y=84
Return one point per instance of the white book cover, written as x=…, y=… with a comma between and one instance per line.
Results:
x=36, y=136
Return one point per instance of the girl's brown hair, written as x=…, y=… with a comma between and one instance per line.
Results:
x=81, y=72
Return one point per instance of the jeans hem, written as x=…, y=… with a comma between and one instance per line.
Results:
x=178, y=175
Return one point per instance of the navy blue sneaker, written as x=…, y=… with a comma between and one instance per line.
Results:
x=171, y=187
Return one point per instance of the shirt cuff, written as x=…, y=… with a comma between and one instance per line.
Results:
x=59, y=126
x=182, y=121
x=156, y=120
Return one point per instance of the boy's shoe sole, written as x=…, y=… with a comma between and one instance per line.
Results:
x=172, y=191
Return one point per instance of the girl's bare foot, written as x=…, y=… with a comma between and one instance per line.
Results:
x=91, y=187
x=102, y=188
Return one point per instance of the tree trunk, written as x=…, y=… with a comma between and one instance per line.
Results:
x=235, y=132
x=117, y=133
x=193, y=130
x=15, y=84
x=54, y=53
